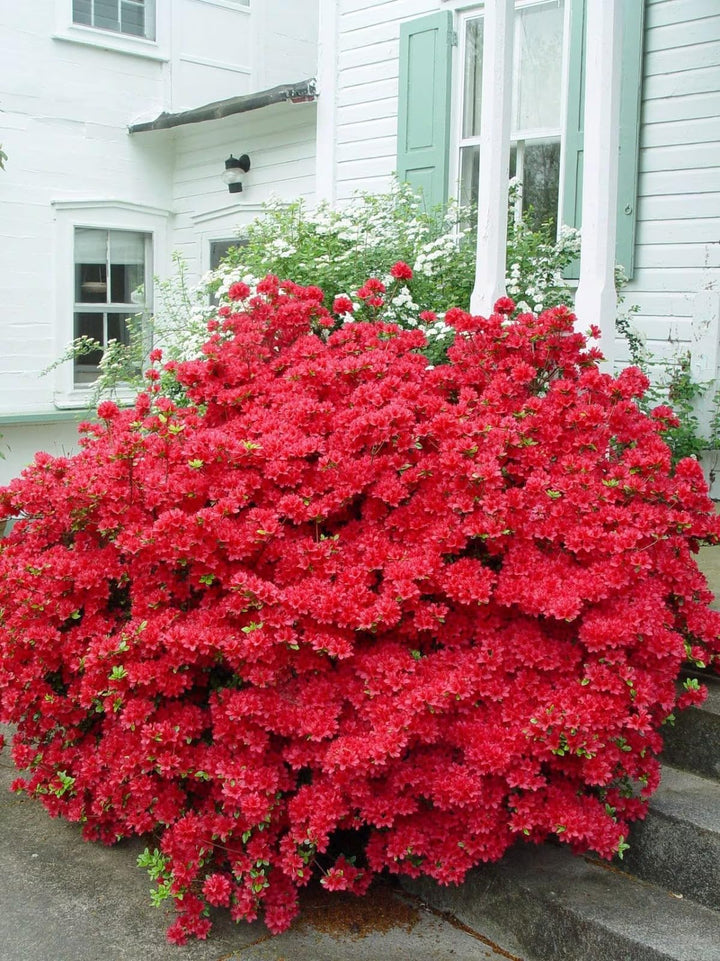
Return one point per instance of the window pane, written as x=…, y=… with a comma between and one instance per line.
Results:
x=469, y=175
x=127, y=267
x=119, y=326
x=106, y=14
x=88, y=325
x=536, y=91
x=219, y=249
x=90, y=283
x=541, y=181
x=127, y=247
x=90, y=246
x=126, y=283
x=123, y=252
x=132, y=18
x=472, y=94
x=90, y=266
x=82, y=11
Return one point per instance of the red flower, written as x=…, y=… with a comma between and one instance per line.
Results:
x=107, y=410
x=217, y=889
x=342, y=305
x=401, y=271
x=370, y=289
x=428, y=316
x=238, y=291
x=505, y=305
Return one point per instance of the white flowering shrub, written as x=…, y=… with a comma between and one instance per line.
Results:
x=337, y=249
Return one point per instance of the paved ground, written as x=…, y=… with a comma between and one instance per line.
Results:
x=62, y=899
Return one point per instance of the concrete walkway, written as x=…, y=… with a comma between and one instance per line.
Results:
x=62, y=899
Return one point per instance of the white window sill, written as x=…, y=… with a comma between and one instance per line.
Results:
x=83, y=398
x=108, y=40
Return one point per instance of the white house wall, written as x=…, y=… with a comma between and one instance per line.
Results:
x=212, y=52
x=67, y=97
x=280, y=141
x=285, y=38
x=65, y=110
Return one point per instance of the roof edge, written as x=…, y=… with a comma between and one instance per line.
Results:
x=301, y=92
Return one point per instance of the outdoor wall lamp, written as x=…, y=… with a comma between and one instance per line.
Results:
x=235, y=167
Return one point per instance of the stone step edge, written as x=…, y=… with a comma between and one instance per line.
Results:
x=561, y=907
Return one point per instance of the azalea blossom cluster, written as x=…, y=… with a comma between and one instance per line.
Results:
x=333, y=593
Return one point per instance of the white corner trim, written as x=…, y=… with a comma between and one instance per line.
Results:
x=495, y=126
x=326, y=129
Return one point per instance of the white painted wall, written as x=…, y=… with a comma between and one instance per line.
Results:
x=285, y=38
x=67, y=96
x=19, y=442
x=66, y=105
x=280, y=141
x=212, y=52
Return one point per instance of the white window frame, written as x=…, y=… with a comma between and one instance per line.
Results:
x=100, y=215
x=467, y=12
x=157, y=48
x=148, y=8
x=109, y=307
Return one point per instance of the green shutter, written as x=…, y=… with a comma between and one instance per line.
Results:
x=630, y=88
x=424, y=105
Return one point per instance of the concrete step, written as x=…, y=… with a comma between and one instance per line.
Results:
x=560, y=907
x=678, y=845
x=693, y=742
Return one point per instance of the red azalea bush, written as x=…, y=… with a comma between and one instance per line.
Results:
x=332, y=593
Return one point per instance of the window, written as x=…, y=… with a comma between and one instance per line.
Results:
x=219, y=249
x=112, y=284
x=134, y=17
x=536, y=108
x=218, y=252
x=545, y=50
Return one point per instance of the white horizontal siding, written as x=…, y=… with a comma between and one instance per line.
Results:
x=670, y=12
x=678, y=157
x=690, y=106
x=681, y=82
x=367, y=90
x=682, y=32
x=678, y=231
x=668, y=60
x=682, y=255
x=699, y=180
x=383, y=51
